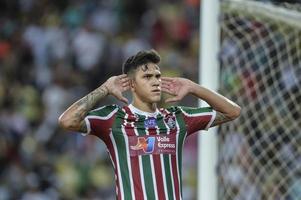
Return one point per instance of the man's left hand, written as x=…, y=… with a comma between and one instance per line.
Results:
x=177, y=87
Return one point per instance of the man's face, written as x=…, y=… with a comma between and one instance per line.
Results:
x=147, y=83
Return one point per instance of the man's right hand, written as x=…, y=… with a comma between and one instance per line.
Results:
x=116, y=85
x=73, y=118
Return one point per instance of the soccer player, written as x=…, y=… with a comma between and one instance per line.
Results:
x=145, y=142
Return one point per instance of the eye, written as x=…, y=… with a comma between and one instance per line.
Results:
x=148, y=76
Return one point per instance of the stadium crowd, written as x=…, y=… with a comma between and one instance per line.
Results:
x=52, y=53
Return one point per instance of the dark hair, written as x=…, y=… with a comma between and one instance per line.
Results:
x=141, y=58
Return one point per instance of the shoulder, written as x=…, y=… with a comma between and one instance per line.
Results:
x=105, y=110
x=170, y=110
x=190, y=111
x=197, y=111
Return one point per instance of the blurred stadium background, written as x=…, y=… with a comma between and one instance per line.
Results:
x=260, y=153
x=53, y=52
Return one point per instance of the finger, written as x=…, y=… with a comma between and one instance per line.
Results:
x=122, y=76
x=165, y=88
x=122, y=98
x=170, y=92
x=125, y=88
x=167, y=79
x=166, y=82
x=165, y=85
x=167, y=91
x=125, y=79
x=125, y=84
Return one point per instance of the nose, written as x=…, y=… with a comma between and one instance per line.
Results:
x=157, y=82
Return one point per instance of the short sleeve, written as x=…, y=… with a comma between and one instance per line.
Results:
x=198, y=118
x=99, y=121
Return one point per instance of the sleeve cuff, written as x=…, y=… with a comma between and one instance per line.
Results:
x=88, y=127
x=211, y=120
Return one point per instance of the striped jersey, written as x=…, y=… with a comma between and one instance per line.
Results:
x=146, y=148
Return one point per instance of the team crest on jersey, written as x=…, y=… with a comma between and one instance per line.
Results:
x=150, y=123
x=171, y=122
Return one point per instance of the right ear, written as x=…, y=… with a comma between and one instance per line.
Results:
x=132, y=85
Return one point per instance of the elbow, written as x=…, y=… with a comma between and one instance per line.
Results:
x=64, y=122
x=235, y=113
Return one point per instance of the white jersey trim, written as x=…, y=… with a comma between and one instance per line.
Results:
x=87, y=121
x=197, y=114
x=140, y=112
x=211, y=120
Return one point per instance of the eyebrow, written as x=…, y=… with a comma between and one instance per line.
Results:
x=152, y=74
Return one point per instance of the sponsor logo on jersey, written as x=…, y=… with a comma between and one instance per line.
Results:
x=147, y=145
x=159, y=144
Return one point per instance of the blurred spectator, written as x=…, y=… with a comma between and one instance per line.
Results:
x=53, y=52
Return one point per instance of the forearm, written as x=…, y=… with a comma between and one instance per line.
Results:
x=73, y=118
x=216, y=101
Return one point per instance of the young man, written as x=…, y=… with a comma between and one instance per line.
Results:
x=145, y=142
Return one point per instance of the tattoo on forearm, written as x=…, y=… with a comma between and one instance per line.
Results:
x=83, y=106
x=219, y=119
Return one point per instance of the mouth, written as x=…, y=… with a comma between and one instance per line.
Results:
x=156, y=91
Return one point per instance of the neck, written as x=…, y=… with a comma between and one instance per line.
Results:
x=144, y=106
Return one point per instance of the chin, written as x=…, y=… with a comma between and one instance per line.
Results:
x=155, y=100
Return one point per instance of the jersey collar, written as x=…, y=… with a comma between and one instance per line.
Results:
x=140, y=112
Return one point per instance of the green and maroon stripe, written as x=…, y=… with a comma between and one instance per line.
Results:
x=181, y=138
x=108, y=114
x=123, y=165
x=175, y=164
x=165, y=160
x=158, y=172
x=149, y=182
x=112, y=154
x=135, y=165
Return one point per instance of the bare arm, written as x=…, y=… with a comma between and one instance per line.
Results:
x=226, y=109
x=73, y=118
